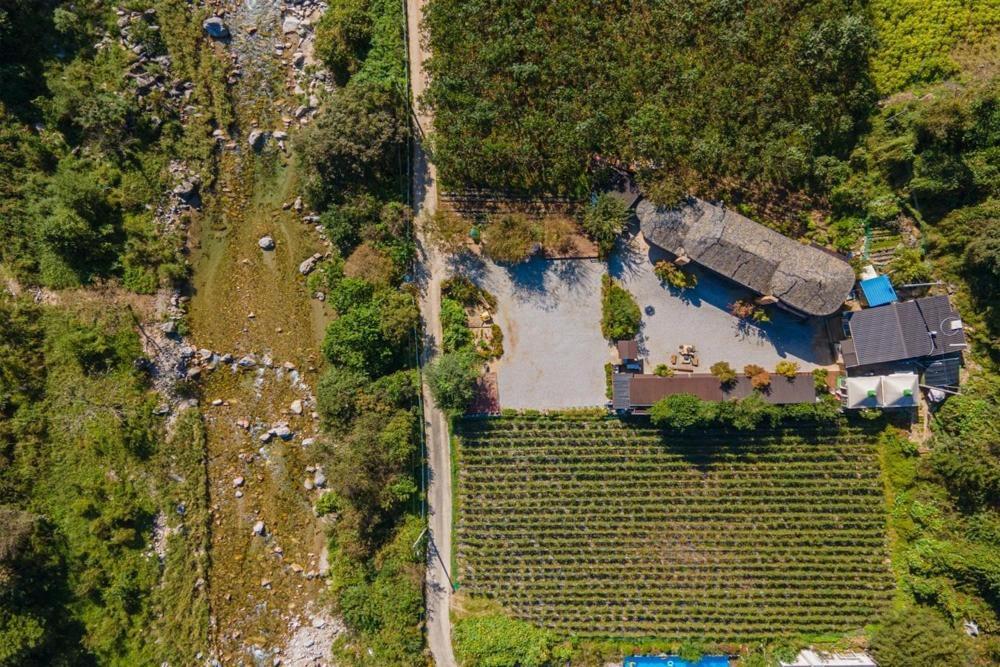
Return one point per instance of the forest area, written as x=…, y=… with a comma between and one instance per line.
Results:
x=85, y=462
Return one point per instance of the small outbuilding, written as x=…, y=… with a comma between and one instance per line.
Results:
x=628, y=350
x=898, y=390
x=877, y=291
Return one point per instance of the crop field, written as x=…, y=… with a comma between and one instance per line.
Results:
x=605, y=529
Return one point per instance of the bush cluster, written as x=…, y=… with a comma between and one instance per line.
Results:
x=620, y=315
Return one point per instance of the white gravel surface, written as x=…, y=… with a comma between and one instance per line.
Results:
x=699, y=317
x=549, y=312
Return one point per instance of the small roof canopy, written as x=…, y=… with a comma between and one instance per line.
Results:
x=899, y=390
x=862, y=392
x=878, y=291
x=628, y=349
x=810, y=658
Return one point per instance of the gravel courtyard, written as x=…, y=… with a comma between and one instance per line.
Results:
x=699, y=316
x=549, y=312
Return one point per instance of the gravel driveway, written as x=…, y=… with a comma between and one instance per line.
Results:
x=549, y=312
x=699, y=316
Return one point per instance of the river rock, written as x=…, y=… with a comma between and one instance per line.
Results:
x=308, y=264
x=266, y=243
x=319, y=479
x=258, y=528
x=296, y=407
x=216, y=28
x=186, y=190
x=256, y=139
x=248, y=361
x=290, y=24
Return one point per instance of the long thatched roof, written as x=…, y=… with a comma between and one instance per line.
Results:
x=805, y=278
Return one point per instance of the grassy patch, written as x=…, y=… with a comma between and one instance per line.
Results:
x=916, y=37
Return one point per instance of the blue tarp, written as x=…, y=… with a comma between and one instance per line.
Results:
x=878, y=291
x=674, y=661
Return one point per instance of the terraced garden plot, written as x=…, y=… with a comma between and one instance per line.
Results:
x=612, y=530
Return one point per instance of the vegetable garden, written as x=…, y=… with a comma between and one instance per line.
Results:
x=606, y=529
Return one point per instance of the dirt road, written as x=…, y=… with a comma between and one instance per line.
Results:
x=438, y=587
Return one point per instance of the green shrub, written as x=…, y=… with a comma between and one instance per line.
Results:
x=908, y=266
x=675, y=276
x=724, y=372
x=496, y=640
x=620, y=315
x=682, y=412
x=456, y=334
x=604, y=221
x=663, y=371
x=343, y=37
x=451, y=378
x=918, y=636
x=787, y=368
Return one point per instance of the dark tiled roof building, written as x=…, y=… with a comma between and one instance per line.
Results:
x=918, y=329
x=804, y=279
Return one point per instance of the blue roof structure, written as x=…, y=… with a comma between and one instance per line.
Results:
x=878, y=291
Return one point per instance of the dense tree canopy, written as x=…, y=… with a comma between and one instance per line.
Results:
x=525, y=92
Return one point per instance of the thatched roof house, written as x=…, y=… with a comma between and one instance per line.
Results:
x=802, y=278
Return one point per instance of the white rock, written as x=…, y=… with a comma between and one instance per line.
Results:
x=280, y=135
x=238, y=482
x=296, y=407
x=309, y=264
x=258, y=528
x=266, y=243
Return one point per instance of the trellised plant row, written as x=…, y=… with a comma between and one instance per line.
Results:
x=608, y=529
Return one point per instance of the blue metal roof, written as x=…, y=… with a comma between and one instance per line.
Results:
x=878, y=291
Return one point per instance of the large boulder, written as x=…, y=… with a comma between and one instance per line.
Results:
x=309, y=264
x=256, y=139
x=216, y=28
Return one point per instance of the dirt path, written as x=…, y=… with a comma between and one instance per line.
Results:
x=438, y=588
x=252, y=317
